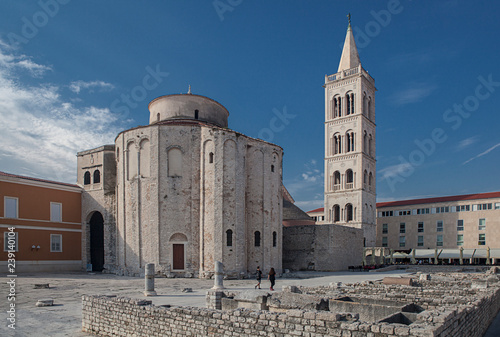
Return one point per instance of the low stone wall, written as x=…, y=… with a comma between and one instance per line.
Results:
x=126, y=317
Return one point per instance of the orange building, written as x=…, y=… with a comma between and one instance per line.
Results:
x=45, y=217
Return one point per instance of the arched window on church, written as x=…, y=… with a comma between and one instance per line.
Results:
x=211, y=157
x=272, y=168
x=365, y=179
x=275, y=239
x=97, y=177
x=86, y=178
x=350, y=141
x=257, y=239
x=349, y=179
x=349, y=97
x=336, y=181
x=339, y=107
x=229, y=238
x=370, y=145
x=336, y=213
x=370, y=180
x=369, y=110
x=365, y=142
x=158, y=117
x=196, y=114
x=348, y=212
x=338, y=143
x=365, y=105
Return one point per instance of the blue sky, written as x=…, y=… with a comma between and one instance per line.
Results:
x=75, y=73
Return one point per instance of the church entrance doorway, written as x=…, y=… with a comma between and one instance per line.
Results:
x=97, y=241
x=178, y=256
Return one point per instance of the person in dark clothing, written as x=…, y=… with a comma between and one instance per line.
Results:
x=259, y=277
x=272, y=277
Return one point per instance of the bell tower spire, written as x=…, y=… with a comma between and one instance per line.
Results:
x=350, y=165
x=350, y=56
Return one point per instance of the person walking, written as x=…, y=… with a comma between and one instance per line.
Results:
x=259, y=277
x=272, y=277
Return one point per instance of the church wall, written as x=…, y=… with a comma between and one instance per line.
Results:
x=230, y=210
x=322, y=248
x=179, y=196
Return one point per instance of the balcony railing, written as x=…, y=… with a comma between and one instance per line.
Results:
x=349, y=186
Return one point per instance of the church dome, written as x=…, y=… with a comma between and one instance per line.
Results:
x=187, y=106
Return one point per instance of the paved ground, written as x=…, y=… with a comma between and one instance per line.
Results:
x=64, y=318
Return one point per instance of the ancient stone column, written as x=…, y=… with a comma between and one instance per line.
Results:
x=149, y=278
x=219, y=275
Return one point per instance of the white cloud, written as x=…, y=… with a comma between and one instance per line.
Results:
x=41, y=132
x=77, y=86
x=482, y=153
x=467, y=142
x=415, y=93
x=394, y=170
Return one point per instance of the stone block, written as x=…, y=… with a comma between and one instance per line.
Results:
x=397, y=280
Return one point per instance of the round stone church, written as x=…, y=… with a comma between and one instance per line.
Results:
x=183, y=192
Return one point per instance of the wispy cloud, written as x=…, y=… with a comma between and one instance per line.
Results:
x=393, y=171
x=41, y=132
x=416, y=92
x=11, y=63
x=467, y=142
x=77, y=86
x=308, y=184
x=482, y=153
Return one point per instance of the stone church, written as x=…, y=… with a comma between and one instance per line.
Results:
x=182, y=192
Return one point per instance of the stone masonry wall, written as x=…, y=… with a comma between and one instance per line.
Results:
x=322, y=247
x=126, y=317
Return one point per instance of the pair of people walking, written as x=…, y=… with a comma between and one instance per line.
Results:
x=271, y=277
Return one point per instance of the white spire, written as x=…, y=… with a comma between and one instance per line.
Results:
x=350, y=57
x=189, y=90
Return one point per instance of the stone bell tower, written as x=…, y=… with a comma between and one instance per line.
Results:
x=350, y=195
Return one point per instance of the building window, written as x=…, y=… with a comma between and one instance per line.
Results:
x=420, y=241
x=55, y=212
x=336, y=213
x=482, y=224
x=211, y=158
x=275, y=239
x=460, y=240
x=439, y=226
x=10, y=241
x=257, y=238
x=348, y=210
x=402, y=228
x=420, y=227
x=55, y=243
x=86, y=178
x=402, y=241
x=482, y=240
x=460, y=225
x=439, y=241
x=272, y=168
x=385, y=229
x=349, y=179
x=229, y=238
x=97, y=177
x=157, y=117
x=384, y=241
x=10, y=209
x=497, y=205
x=196, y=114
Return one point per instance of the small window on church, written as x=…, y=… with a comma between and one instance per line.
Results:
x=257, y=239
x=211, y=158
x=97, y=177
x=196, y=114
x=275, y=239
x=272, y=168
x=86, y=178
x=157, y=117
x=229, y=238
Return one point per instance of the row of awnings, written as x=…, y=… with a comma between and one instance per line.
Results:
x=480, y=253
